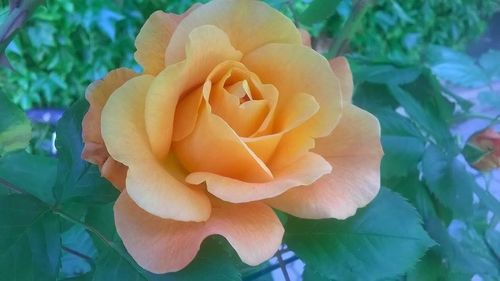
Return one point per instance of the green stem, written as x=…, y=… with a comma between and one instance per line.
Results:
x=359, y=9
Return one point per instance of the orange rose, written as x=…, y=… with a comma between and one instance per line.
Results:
x=233, y=115
x=488, y=143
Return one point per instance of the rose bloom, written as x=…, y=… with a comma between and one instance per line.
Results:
x=487, y=141
x=234, y=115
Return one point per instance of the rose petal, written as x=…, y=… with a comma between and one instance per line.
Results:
x=160, y=245
x=305, y=171
x=153, y=39
x=298, y=110
x=94, y=150
x=214, y=147
x=249, y=25
x=340, y=67
x=97, y=94
x=306, y=37
x=148, y=181
x=354, y=151
x=115, y=172
x=295, y=69
x=207, y=47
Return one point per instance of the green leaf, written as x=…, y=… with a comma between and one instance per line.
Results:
x=493, y=238
x=33, y=174
x=384, y=74
x=311, y=275
x=421, y=115
x=15, y=128
x=318, y=10
x=77, y=179
x=463, y=257
x=456, y=67
x=490, y=62
x=78, y=240
x=448, y=180
x=430, y=268
x=30, y=244
x=213, y=261
x=378, y=242
x=402, y=142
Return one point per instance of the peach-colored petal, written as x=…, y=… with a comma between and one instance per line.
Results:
x=214, y=147
x=160, y=245
x=115, y=172
x=296, y=69
x=340, y=67
x=186, y=113
x=244, y=118
x=298, y=110
x=306, y=37
x=97, y=94
x=305, y=171
x=148, y=182
x=94, y=150
x=354, y=151
x=249, y=24
x=293, y=145
x=153, y=39
x=207, y=47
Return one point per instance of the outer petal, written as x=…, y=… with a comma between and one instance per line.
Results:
x=354, y=151
x=295, y=69
x=94, y=150
x=161, y=245
x=305, y=171
x=153, y=39
x=207, y=47
x=340, y=67
x=249, y=24
x=148, y=182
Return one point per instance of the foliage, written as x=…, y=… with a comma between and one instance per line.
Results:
x=432, y=220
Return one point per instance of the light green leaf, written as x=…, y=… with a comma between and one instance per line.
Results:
x=456, y=67
x=30, y=244
x=77, y=179
x=448, y=181
x=15, y=128
x=490, y=62
x=34, y=174
x=378, y=242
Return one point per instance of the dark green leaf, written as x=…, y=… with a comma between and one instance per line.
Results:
x=15, y=128
x=311, y=275
x=448, y=179
x=33, y=174
x=76, y=240
x=493, y=238
x=384, y=74
x=434, y=126
x=30, y=245
x=376, y=243
x=403, y=144
x=318, y=10
x=77, y=179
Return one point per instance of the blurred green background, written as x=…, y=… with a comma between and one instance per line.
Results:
x=68, y=44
